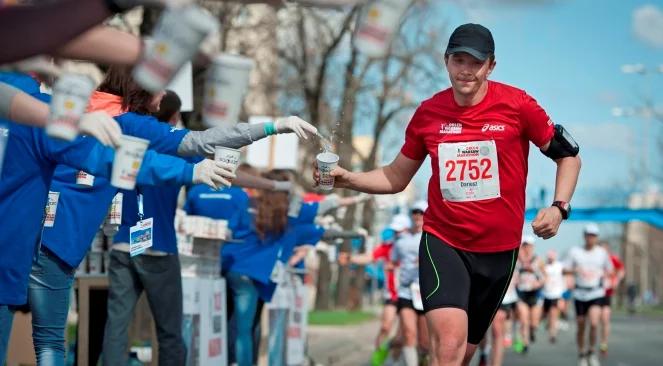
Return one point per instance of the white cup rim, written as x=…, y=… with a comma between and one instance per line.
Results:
x=330, y=158
x=135, y=139
x=233, y=60
x=226, y=148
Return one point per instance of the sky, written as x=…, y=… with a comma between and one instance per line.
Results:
x=568, y=55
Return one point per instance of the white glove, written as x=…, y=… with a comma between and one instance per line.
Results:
x=361, y=197
x=283, y=186
x=213, y=173
x=296, y=125
x=101, y=126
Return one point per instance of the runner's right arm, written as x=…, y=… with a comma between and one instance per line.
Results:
x=392, y=178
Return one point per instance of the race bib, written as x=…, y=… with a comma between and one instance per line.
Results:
x=416, y=296
x=589, y=277
x=51, y=209
x=469, y=171
x=140, y=237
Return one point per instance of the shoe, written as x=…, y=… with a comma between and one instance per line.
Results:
x=553, y=339
x=380, y=355
x=532, y=335
x=603, y=347
x=593, y=360
x=582, y=360
x=508, y=342
x=525, y=349
x=518, y=346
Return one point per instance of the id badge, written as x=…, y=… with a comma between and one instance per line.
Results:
x=416, y=296
x=51, y=209
x=278, y=272
x=140, y=237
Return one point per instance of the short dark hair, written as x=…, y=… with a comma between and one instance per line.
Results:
x=170, y=104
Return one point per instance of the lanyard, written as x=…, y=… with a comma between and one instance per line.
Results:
x=140, y=205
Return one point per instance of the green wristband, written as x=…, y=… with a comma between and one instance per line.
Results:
x=270, y=129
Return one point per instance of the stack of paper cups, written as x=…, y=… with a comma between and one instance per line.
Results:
x=327, y=161
x=69, y=101
x=127, y=162
x=227, y=155
x=226, y=84
x=376, y=28
x=177, y=37
x=114, y=216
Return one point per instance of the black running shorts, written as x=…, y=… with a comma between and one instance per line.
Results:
x=606, y=301
x=404, y=303
x=549, y=303
x=475, y=282
x=582, y=307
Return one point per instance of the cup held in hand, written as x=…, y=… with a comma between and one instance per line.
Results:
x=71, y=93
x=327, y=162
x=227, y=155
x=177, y=36
x=128, y=159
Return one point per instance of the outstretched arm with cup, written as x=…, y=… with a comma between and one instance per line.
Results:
x=203, y=143
x=392, y=178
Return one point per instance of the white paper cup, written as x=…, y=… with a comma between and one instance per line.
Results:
x=114, y=216
x=227, y=155
x=71, y=94
x=327, y=161
x=177, y=37
x=225, y=86
x=377, y=26
x=84, y=179
x=127, y=162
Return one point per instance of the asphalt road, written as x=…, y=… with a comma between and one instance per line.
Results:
x=635, y=341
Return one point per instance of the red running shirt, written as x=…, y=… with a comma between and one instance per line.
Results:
x=383, y=252
x=479, y=158
x=617, y=266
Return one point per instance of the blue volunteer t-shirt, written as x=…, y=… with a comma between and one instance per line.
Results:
x=30, y=160
x=81, y=210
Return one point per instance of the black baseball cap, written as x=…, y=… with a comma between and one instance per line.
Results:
x=474, y=39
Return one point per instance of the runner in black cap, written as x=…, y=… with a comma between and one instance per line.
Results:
x=477, y=134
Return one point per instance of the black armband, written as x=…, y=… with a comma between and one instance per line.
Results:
x=562, y=145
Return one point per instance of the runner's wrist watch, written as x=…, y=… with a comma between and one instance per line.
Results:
x=564, y=208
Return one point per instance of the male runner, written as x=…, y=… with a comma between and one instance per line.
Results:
x=612, y=282
x=531, y=277
x=553, y=289
x=477, y=133
x=590, y=264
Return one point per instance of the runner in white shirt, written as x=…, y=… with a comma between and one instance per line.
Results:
x=531, y=277
x=405, y=257
x=501, y=327
x=553, y=289
x=590, y=265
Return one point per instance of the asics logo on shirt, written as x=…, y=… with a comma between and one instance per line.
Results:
x=492, y=128
x=451, y=128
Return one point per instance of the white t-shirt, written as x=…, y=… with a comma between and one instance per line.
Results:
x=590, y=268
x=554, y=286
x=406, y=253
x=511, y=295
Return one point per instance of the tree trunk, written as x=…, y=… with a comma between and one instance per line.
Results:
x=322, y=296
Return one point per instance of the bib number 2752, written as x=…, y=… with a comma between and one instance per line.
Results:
x=469, y=171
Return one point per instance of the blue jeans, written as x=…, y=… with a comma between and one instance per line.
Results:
x=6, y=319
x=245, y=299
x=48, y=295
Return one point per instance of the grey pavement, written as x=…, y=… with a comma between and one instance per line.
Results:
x=635, y=341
